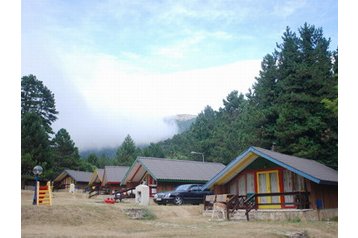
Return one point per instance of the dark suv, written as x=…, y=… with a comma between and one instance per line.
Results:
x=186, y=193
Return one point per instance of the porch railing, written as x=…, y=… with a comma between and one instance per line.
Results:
x=94, y=191
x=300, y=199
x=249, y=202
x=245, y=202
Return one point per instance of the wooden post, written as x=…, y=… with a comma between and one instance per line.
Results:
x=49, y=192
x=37, y=192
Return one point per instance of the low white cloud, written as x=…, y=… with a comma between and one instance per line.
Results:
x=121, y=99
x=106, y=83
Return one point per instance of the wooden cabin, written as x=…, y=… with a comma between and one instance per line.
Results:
x=79, y=178
x=162, y=174
x=277, y=180
x=96, y=178
x=112, y=177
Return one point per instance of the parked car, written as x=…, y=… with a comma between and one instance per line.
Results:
x=186, y=193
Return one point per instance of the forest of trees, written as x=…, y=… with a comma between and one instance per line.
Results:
x=39, y=144
x=293, y=105
x=57, y=151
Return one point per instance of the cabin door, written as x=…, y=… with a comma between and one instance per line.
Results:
x=268, y=182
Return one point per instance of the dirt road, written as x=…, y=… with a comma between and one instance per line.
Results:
x=77, y=216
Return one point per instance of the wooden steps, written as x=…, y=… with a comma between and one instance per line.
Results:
x=44, y=194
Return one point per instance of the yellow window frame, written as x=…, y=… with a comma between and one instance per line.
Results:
x=268, y=189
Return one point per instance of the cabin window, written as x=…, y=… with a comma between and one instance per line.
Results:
x=154, y=182
x=233, y=187
x=292, y=182
x=262, y=186
x=242, y=184
x=250, y=183
x=288, y=185
x=268, y=182
x=299, y=182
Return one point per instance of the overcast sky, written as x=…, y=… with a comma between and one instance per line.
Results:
x=120, y=67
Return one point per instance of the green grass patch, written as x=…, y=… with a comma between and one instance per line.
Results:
x=140, y=213
x=148, y=215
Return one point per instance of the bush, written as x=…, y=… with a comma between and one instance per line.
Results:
x=140, y=213
x=148, y=215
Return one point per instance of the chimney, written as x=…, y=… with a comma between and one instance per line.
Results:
x=273, y=146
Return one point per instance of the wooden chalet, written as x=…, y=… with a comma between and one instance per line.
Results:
x=112, y=177
x=96, y=178
x=265, y=179
x=166, y=174
x=95, y=182
x=79, y=178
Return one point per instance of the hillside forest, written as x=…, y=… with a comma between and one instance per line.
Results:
x=292, y=106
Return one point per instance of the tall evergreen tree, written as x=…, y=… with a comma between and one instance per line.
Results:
x=35, y=146
x=64, y=152
x=331, y=102
x=37, y=114
x=229, y=129
x=127, y=152
x=263, y=103
x=37, y=98
x=305, y=78
x=93, y=159
x=153, y=150
x=204, y=123
x=104, y=160
x=233, y=103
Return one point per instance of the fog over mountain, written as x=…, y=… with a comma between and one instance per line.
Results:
x=179, y=123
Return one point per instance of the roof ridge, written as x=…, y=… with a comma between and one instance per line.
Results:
x=179, y=160
x=77, y=170
x=296, y=157
x=122, y=166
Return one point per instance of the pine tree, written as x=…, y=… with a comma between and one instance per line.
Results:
x=64, y=152
x=37, y=114
x=127, y=152
x=93, y=159
x=331, y=102
x=263, y=103
x=37, y=98
x=304, y=79
x=153, y=150
x=35, y=146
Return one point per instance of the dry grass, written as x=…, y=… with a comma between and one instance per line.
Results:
x=77, y=216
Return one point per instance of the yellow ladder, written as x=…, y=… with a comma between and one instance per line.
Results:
x=44, y=194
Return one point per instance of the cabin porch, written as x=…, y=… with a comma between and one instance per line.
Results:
x=259, y=206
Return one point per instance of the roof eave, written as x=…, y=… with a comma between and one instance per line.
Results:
x=148, y=170
x=123, y=181
x=182, y=180
x=212, y=181
x=113, y=182
x=325, y=182
x=61, y=176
